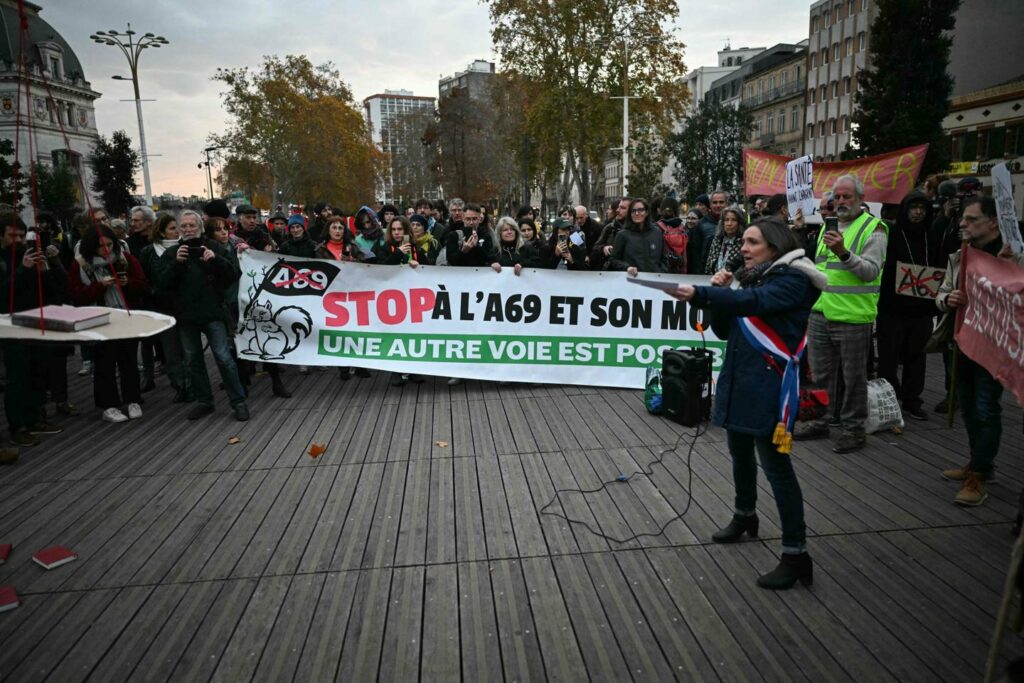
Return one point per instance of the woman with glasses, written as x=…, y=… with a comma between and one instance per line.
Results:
x=724, y=252
x=639, y=246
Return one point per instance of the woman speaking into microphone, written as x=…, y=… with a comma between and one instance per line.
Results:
x=765, y=322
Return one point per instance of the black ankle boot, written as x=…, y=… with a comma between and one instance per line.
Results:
x=792, y=568
x=736, y=528
x=148, y=382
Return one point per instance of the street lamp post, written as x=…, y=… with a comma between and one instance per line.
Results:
x=132, y=49
x=209, y=174
x=626, y=97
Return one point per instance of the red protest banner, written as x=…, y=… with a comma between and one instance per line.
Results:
x=887, y=177
x=990, y=332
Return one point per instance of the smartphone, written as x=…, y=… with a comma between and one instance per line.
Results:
x=831, y=224
x=405, y=239
x=563, y=238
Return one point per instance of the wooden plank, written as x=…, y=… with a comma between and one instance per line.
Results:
x=721, y=647
x=542, y=434
x=562, y=658
x=597, y=641
x=286, y=641
x=254, y=559
x=174, y=636
x=403, y=633
x=348, y=552
x=441, y=431
x=520, y=429
x=439, y=659
x=499, y=535
x=199, y=660
x=177, y=543
x=292, y=545
x=223, y=560
x=523, y=514
x=252, y=633
x=411, y=543
x=556, y=534
x=66, y=629
x=679, y=644
x=400, y=447
x=27, y=625
x=502, y=439
x=441, y=527
x=100, y=635
x=118, y=662
x=322, y=647
x=520, y=651
x=469, y=529
x=478, y=628
x=383, y=533
x=364, y=637
x=323, y=538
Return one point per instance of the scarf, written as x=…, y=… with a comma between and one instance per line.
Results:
x=765, y=339
x=751, y=277
x=425, y=243
x=163, y=245
x=99, y=269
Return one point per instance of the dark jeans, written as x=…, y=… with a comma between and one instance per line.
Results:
x=979, y=394
x=901, y=340
x=22, y=396
x=50, y=372
x=113, y=358
x=778, y=468
x=220, y=344
x=174, y=358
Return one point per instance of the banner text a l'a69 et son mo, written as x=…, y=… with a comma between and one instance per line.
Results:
x=542, y=326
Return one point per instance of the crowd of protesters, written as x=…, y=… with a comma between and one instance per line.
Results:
x=833, y=281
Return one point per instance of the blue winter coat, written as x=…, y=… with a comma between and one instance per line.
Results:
x=747, y=393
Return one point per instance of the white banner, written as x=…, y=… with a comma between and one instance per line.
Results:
x=1006, y=211
x=800, y=186
x=542, y=326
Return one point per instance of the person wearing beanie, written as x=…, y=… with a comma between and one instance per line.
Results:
x=298, y=243
x=419, y=226
x=322, y=211
x=216, y=208
x=277, y=225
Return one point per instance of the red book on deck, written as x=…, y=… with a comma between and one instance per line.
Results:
x=54, y=556
x=5, y=552
x=8, y=598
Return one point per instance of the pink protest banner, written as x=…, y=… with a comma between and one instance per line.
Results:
x=887, y=177
x=990, y=330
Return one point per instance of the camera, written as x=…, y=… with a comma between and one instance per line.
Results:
x=195, y=247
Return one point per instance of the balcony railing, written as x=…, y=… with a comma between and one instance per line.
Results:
x=788, y=90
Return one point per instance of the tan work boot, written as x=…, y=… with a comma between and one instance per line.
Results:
x=973, y=492
x=961, y=474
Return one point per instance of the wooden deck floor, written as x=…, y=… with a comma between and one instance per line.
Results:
x=414, y=548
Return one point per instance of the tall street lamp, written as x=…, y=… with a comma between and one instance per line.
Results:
x=626, y=97
x=209, y=175
x=132, y=47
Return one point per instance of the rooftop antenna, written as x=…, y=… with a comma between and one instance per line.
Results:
x=728, y=44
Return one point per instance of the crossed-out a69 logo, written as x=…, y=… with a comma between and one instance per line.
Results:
x=300, y=278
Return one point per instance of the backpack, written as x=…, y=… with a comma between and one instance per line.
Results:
x=675, y=246
x=442, y=253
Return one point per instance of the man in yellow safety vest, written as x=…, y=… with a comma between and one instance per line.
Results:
x=851, y=255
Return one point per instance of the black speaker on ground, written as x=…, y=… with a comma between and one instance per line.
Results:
x=686, y=385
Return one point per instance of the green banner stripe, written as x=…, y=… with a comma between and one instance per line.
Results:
x=505, y=350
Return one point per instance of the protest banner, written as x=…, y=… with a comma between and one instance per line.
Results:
x=887, y=177
x=917, y=281
x=542, y=326
x=990, y=332
x=1006, y=211
x=800, y=186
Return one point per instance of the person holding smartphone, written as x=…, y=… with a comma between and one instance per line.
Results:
x=851, y=253
x=561, y=252
x=397, y=247
x=472, y=246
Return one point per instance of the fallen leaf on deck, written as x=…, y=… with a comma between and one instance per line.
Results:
x=233, y=440
x=317, y=449
x=442, y=444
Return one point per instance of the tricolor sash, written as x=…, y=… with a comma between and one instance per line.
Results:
x=765, y=339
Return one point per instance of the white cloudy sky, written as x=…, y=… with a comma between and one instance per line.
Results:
x=375, y=45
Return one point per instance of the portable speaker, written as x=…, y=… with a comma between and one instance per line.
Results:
x=686, y=385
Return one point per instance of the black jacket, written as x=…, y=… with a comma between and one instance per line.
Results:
x=919, y=244
x=527, y=256
x=26, y=282
x=195, y=289
x=483, y=254
x=304, y=248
